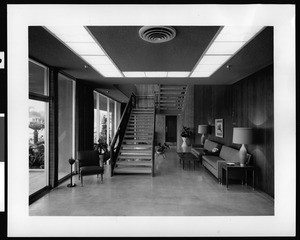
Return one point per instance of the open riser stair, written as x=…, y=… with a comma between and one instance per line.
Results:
x=171, y=98
x=136, y=152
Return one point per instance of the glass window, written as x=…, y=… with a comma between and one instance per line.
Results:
x=38, y=78
x=65, y=124
x=103, y=117
x=105, y=124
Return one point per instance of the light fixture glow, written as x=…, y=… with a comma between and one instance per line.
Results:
x=224, y=47
x=71, y=34
x=201, y=74
x=237, y=33
x=178, y=74
x=206, y=68
x=156, y=74
x=214, y=59
x=97, y=60
x=80, y=41
x=86, y=48
x=111, y=74
x=106, y=68
x=228, y=42
x=134, y=74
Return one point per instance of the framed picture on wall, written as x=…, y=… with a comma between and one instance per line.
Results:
x=219, y=131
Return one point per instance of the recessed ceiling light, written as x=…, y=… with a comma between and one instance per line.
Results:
x=71, y=33
x=134, y=74
x=237, y=33
x=224, y=47
x=86, y=48
x=201, y=74
x=206, y=67
x=156, y=74
x=80, y=41
x=228, y=42
x=178, y=74
x=97, y=60
x=214, y=59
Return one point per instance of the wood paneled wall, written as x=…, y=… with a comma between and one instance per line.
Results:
x=84, y=116
x=247, y=103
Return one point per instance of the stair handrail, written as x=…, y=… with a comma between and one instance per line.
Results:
x=153, y=143
x=114, y=151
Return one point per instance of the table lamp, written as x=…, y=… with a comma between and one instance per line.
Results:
x=202, y=129
x=242, y=135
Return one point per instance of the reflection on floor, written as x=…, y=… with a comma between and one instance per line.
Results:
x=37, y=180
x=172, y=192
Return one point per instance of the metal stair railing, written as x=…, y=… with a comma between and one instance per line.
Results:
x=118, y=138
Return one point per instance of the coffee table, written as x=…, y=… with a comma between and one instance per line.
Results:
x=187, y=157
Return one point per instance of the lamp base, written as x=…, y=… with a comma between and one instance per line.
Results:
x=202, y=139
x=243, y=155
x=71, y=185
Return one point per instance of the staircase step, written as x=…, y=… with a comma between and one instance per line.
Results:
x=136, y=146
x=120, y=170
x=137, y=133
x=136, y=151
x=138, y=136
x=134, y=163
x=138, y=141
x=144, y=156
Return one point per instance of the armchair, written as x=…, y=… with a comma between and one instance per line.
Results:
x=89, y=164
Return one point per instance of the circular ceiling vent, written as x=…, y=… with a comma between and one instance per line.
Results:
x=157, y=34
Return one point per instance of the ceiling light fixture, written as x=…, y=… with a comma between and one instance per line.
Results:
x=228, y=41
x=81, y=42
x=153, y=74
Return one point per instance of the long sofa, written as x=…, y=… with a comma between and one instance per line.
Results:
x=214, y=160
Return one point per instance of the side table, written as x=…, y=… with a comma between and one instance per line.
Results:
x=236, y=167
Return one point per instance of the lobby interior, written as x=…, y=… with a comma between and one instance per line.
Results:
x=87, y=82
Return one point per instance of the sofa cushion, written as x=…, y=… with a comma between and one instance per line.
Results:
x=212, y=160
x=210, y=145
x=229, y=154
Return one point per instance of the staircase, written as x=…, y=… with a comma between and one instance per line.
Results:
x=171, y=98
x=136, y=153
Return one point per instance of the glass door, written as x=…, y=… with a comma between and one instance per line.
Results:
x=38, y=127
x=38, y=142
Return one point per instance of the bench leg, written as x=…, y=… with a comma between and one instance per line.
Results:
x=81, y=181
x=102, y=178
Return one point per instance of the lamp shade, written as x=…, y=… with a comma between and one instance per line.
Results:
x=203, y=129
x=242, y=135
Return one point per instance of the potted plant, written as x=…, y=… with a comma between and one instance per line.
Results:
x=186, y=132
x=102, y=148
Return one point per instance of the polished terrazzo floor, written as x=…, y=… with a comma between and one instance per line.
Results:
x=172, y=192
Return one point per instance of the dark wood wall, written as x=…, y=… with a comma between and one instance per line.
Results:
x=84, y=116
x=247, y=103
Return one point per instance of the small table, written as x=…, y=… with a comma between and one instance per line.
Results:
x=187, y=156
x=236, y=167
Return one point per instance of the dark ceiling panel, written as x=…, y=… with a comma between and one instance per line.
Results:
x=140, y=55
x=131, y=53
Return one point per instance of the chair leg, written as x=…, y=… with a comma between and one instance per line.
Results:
x=102, y=178
x=81, y=181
